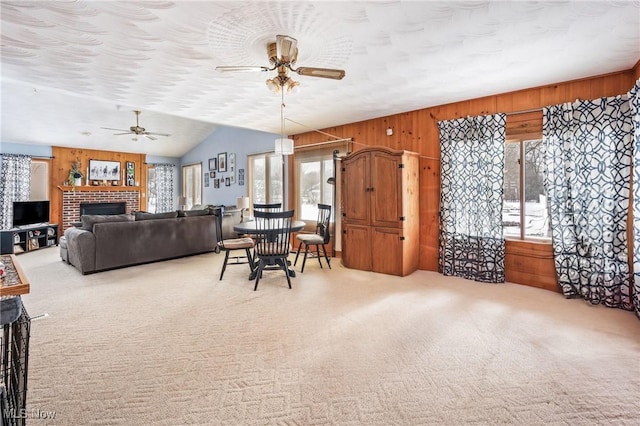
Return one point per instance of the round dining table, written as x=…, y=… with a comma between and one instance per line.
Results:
x=249, y=227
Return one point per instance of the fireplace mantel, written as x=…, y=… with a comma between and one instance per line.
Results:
x=98, y=188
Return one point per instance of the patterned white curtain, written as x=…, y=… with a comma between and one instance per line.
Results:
x=634, y=99
x=15, y=182
x=472, y=176
x=164, y=187
x=588, y=166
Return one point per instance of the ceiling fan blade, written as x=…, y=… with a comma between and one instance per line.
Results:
x=111, y=128
x=287, y=48
x=120, y=134
x=321, y=72
x=150, y=137
x=157, y=134
x=242, y=69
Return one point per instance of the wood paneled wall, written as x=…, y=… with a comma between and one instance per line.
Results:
x=526, y=263
x=63, y=158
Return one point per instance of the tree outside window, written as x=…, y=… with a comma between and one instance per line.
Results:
x=265, y=178
x=313, y=186
x=192, y=184
x=525, y=211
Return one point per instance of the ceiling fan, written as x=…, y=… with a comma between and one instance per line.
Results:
x=283, y=55
x=137, y=130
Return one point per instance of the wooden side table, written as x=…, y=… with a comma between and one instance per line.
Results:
x=14, y=343
x=15, y=283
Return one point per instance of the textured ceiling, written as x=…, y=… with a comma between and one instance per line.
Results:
x=70, y=68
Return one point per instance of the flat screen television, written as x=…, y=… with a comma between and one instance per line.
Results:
x=30, y=213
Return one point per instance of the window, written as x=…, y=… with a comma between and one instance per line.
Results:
x=39, y=179
x=265, y=178
x=192, y=184
x=525, y=213
x=313, y=168
x=152, y=191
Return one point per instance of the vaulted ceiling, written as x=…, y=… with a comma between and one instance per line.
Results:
x=71, y=68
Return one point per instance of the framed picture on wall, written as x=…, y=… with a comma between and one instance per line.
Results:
x=130, y=173
x=240, y=177
x=227, y=182
x=212, y=175
x=212, y=163
x=232, y=162
x=206, y=180
x=222, y=162
x=104, y=170
x=216, y=183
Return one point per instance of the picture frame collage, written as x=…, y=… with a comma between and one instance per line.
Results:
x=223, y=170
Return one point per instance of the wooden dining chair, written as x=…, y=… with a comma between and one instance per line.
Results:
x=270, y=207
x=262, y=207
x=272, y=247
x=321, y=237
x=229, y=245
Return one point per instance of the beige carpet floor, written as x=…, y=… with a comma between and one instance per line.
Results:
x=169, y=344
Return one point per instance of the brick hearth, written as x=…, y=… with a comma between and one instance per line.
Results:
x=71, y=202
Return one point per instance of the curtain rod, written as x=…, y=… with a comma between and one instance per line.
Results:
x=524, y=111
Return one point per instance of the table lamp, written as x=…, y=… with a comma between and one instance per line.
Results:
x=243, y=204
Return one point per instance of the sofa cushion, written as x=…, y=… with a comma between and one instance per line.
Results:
x=88, y=220
x=192, y=213
x=150, y=216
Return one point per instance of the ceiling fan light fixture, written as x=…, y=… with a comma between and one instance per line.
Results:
x=136, y=130
x=282, y=56
x=282, y=82
x=292, y=86
x=273, y=84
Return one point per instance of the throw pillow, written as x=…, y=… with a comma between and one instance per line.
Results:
x=150, y=216
x=191, y=213
x=88, y=220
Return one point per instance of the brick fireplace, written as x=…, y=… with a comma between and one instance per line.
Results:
x=111, y=207
x=71, y=201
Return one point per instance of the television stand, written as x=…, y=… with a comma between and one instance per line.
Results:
x=28, y=238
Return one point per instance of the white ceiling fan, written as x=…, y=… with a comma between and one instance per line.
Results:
x=283, y=55
x=137, y=130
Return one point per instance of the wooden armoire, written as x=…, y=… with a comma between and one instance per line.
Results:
x=380, y=218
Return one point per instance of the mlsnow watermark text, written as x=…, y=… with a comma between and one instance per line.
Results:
x=33, y=414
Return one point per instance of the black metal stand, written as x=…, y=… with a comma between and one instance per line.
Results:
x=14, y=360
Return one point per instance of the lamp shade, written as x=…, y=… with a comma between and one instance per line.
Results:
x=242, y=202
x=284, y=146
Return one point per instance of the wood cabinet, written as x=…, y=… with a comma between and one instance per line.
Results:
x=380, y=219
